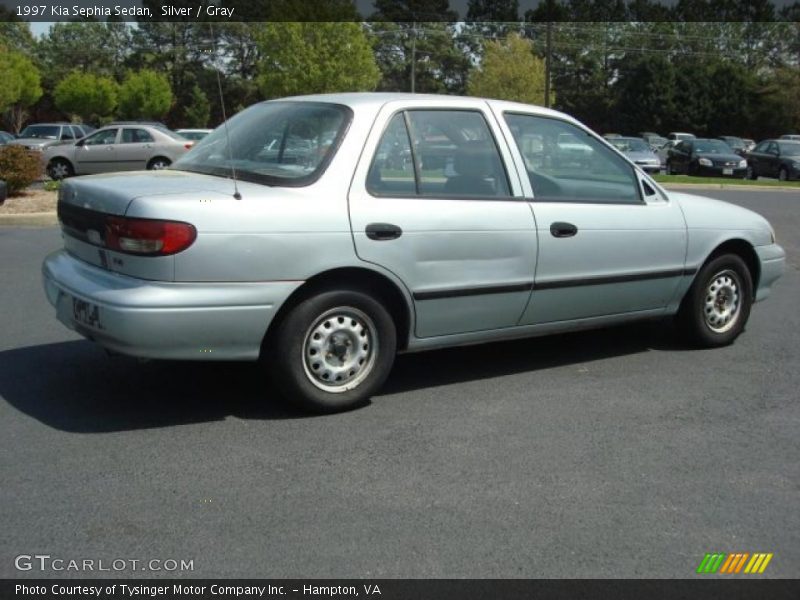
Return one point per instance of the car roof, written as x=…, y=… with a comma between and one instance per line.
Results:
x=378, y=99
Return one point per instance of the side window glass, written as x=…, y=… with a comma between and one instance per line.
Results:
x=566, y=164
x=392, y=170
x=456, y=155
x=66, y=133
x=135, y=136
x=100, y=138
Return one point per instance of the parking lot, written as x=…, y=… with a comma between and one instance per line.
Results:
x=614, y=453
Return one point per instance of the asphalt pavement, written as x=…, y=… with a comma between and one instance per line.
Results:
x=613, y=453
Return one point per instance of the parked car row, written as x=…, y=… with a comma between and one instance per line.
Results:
x=724, y=156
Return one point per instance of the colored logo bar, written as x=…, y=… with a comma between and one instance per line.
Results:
x=720, y=562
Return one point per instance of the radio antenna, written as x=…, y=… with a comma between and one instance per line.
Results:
x=236, y=193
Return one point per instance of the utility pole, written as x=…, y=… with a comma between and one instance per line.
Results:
x=547, y=57
x=413, y=56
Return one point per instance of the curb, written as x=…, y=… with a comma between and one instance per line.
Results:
x=728, y=187
x=41, y=219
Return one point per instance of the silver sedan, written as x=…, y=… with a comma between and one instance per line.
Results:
x=321, y=235
x=116, y=148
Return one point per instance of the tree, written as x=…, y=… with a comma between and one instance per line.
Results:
x=645, y=88
x=199, y=110
x=416, y=47
x=307, y=58
x=85, y=95
x=509, y=71
x=22, y=87
x=92, y=47
x=145, y=95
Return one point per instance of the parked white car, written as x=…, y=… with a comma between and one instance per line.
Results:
x=116, y=148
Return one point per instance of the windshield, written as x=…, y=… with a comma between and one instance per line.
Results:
x=44, y=132
x=712, y=147
x=630, y=145
x=734, y=142
x=789, y=149
x=275, y=143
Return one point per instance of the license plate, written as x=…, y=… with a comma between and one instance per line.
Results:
x=86, y=313
x=727, y=171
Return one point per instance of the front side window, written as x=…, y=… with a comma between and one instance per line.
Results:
x=107, y=136
x=566, y=164
x=762, y=147
x=438, y=154
x=274, y=143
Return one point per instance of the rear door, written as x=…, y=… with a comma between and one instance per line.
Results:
x=433, y=201
x=97, y=153
x=134, y=149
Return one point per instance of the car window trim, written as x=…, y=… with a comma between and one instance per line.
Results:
x=417, y=176
x=538, y=199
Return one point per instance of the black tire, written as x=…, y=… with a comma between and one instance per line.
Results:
x=704, y=304
x=157, y=162
x=669, y=169
x=783, y=174
x=751, y=173
x=59, y=169
x=289, y=351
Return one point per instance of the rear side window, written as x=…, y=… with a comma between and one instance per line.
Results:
x=438, y=154
x=566, y=164
x=134, y=136
x=101, y=138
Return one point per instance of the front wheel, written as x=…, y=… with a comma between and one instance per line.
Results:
x=717, y=305
x=59, y=169
x=332, y=351
x=783, y=174
x=751, y=173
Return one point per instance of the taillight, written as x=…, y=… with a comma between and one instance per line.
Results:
x=189, y=145
x=148, y=236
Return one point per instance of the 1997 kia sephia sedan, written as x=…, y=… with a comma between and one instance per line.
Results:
x=367, y=224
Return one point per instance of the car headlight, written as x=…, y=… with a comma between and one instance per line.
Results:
x=742, y=164
x=705, y=162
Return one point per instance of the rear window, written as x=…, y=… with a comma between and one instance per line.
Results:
x=274, y=143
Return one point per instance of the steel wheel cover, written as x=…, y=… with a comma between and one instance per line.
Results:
x=722, y=301
x=339, y=349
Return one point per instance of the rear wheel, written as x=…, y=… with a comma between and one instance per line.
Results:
x=332, y=351
x=59, y=169
x=717, y=305
x=158, y=163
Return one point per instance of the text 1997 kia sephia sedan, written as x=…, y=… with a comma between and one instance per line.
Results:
x=367, y=224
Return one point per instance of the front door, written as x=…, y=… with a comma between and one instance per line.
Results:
x=609, y=244
x=97, y=153
x=433, y=202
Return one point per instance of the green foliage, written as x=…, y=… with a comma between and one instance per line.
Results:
x=19, y=167
x=88, y=96
x=52, y=185
x=309, y=58
x=645, y=88
x=144, y=95
x=509, y=71
x=21, y=86
x=199, y=110
x=89, y=46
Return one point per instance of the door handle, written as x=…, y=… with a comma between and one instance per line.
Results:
x=383, y=231
x=563, y=230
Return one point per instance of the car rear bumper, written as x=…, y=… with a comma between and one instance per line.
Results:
x=772, y=259
x=164, y=320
